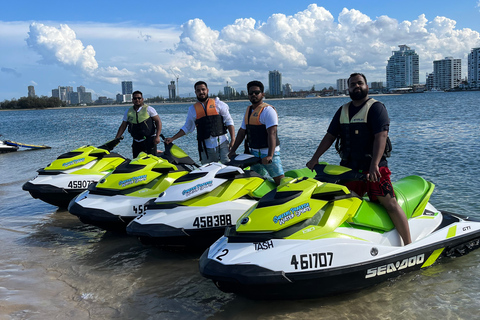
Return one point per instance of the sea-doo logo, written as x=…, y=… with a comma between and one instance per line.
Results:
x=197, y=188
x=292, y=213
x=71, y=163
x=397, y=266
x=124, y=183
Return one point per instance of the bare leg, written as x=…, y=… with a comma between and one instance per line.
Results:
x=398, y=217
x=278, y=179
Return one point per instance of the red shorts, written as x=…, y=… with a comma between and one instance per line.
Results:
x=373, y=189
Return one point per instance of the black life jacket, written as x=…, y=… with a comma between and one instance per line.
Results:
x=140, y=124
x=355, y=144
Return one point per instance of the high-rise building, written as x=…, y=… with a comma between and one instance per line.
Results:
x=172, y=93
x=376, y=85
x=342, y=85
x=85, y=97
x=287, y=90
x=229, y=92
x=403, y=68
x=275, y=83
x=127, y=87
x=474, y=68
x=31, y=92
x=447, y=73
x=80, y=89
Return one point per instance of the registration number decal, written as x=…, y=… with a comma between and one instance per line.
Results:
x=213, y=221
x=312, y=260
x=79, y=184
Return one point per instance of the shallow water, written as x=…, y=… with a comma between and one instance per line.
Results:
x=55, y=267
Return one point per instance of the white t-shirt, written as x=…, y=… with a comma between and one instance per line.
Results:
x=222, y=109
x=269, y=118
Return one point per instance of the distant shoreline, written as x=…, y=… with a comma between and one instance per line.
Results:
x=160, y=103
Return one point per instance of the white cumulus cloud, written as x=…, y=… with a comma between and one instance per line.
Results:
x=309, y=47
x=61, y=46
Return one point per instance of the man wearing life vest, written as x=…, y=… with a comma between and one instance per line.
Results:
x=144, y=125
x=259, y=126
x=362, y=129
x=212, y=120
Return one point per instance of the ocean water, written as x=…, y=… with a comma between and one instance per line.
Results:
x=54, y=267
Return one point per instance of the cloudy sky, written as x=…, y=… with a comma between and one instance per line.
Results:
x=57, y=43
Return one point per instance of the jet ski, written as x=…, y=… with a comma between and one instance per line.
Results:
x=313, y=237
x=72, y=172
x=195, y=210
x=120, y=196
x=5, y=147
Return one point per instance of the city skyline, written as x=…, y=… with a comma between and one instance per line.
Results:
x=310, y=44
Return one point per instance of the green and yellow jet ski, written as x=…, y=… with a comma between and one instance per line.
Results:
x=120, y=196
x=72, y=172
x=313, y=237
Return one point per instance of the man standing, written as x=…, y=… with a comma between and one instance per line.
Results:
x=212, y=119
x=144, y=125
x=260, y=127
x=362, y=128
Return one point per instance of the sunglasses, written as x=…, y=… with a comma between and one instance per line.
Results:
x=137, y=98
x=256, y=92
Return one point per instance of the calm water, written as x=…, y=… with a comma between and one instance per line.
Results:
x=54, y=267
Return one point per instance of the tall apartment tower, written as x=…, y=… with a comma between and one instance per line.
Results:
x=127, y=87
x=287, y=90
x=275, y=83
x=172, y=93
x=474, y=68
x=342, y=85
x=447, y=73
x=403, y=68
x=31, y=92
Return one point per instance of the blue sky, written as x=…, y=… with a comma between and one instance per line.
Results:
x=98, y=45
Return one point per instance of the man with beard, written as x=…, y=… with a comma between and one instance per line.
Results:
x=362, y=129
x=260, y=127
x=212, y=119
x=144, y=124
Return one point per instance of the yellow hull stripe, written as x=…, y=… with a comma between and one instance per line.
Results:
x=433, y=257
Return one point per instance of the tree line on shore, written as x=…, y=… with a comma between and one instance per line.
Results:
x=32, y=103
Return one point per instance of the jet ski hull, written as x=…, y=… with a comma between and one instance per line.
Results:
x=111, y=213
x=286, y=269
x=55, y=189
x=187, y=226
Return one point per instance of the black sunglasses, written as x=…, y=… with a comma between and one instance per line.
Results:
x=137, y=98
x=256, y=92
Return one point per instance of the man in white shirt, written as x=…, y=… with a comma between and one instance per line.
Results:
x=259, y=126
x=212, y=120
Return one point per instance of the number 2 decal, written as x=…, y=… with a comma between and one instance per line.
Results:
x=224, y=253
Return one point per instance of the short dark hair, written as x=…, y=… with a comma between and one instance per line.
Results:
x=357, y=74
x=199, y=83
x=255, y=83
x=137, y=92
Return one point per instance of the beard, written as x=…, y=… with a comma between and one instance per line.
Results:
x=358, y=95
x=202, y=99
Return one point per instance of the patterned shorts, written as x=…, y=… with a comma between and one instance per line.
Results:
x=374, y=189
x=273, y=169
